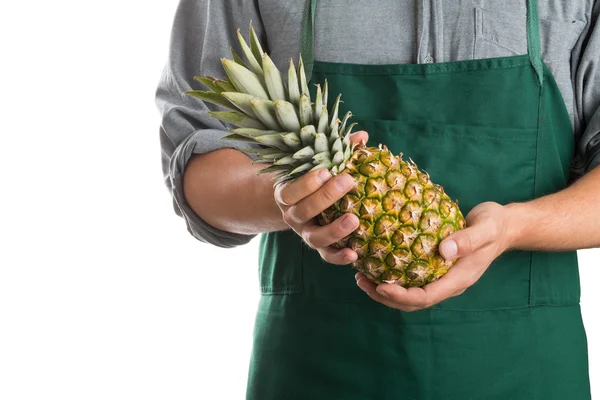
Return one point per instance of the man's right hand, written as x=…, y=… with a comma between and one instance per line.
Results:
x=303, y=199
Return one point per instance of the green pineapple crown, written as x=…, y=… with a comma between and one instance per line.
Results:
x=296, y=135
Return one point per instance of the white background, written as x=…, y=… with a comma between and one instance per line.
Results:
x=103, y=294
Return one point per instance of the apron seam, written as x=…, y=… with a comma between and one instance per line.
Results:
x=431, y=368
x=541, y=123
x=481, y=136
x=441, y=71
x=531, y=131
x=370, y=303
x=506, y=308
x=269, y=290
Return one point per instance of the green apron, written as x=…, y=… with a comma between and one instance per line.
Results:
x=487, y=130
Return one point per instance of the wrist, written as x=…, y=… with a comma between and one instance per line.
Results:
x=517, y=215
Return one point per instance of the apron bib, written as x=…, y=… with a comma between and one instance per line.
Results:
x=486, y=130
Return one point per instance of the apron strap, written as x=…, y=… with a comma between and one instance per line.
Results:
x=534, y=47
x=307, y=40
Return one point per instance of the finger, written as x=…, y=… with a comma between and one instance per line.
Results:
x=469, y=240
x=460, y=277
x=370, y=288
x=338, y=257
x=291, y=193
x=409, y=298
x=323, y=236
x=311, y=206
x=359, y=137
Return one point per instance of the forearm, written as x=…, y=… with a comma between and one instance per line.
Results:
x=567, y=220
x=222, y=187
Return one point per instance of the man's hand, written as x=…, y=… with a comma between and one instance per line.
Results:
x=303, y=199
x=487, y=236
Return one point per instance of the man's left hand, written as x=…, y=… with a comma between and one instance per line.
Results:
x=486, y=237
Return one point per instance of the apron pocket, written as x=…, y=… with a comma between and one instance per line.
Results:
x=280, y=265
x=474, y=164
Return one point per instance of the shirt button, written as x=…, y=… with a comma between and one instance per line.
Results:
x=429, y=59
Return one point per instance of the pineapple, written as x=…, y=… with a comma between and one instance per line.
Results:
x=403, y=215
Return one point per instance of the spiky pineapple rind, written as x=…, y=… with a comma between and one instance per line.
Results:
x=397, y=240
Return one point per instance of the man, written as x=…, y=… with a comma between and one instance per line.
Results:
x=500, y=103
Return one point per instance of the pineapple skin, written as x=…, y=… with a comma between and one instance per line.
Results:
x=403, y=218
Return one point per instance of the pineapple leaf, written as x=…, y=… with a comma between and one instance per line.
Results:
x=292, y=140
x=273, y=168
x=334, y=114
x=211, y=97
x=249, y=132
x=302, y=168
x=255, y=44
x=261, y=151
x=224, y=86
x=249, y=55
x=338, y=158
x=327, y=164
x=307, y=135
x=264, y=153
x=237, y=58
x=273, y=79
x=335, y=133
x=284, y=179
x=348, y=152
x=238, y=119
x=302, y=76
x=323, y=120
x=349, y=130
x=337, y=146
x=325, y=93
x=318, y=103
x=322, y=157
x=305, y=110
x=274, y=140
x=239, y=138
x=262, y=161
x=344, y=121
x=305, y=154
x=293, y=89
x=243, y=79
x=287, y=160
x=286, y=115
x=241, y=101
x=321, y=143
x=208, y=82
x=265, y=112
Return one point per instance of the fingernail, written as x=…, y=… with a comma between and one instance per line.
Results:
x=324, y=175
x=450, y=249
x=349, y=222
x=383, y=293
x=358, y=275
x=344, y=182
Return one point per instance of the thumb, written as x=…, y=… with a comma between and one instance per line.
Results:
x=467, y=241
x=359, y=137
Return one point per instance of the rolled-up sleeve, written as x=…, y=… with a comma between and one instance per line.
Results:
x=587, y=88
x=203, y=32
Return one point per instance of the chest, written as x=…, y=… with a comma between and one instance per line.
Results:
x=411, y=31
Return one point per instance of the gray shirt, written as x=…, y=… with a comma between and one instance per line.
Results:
x=368, y=32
